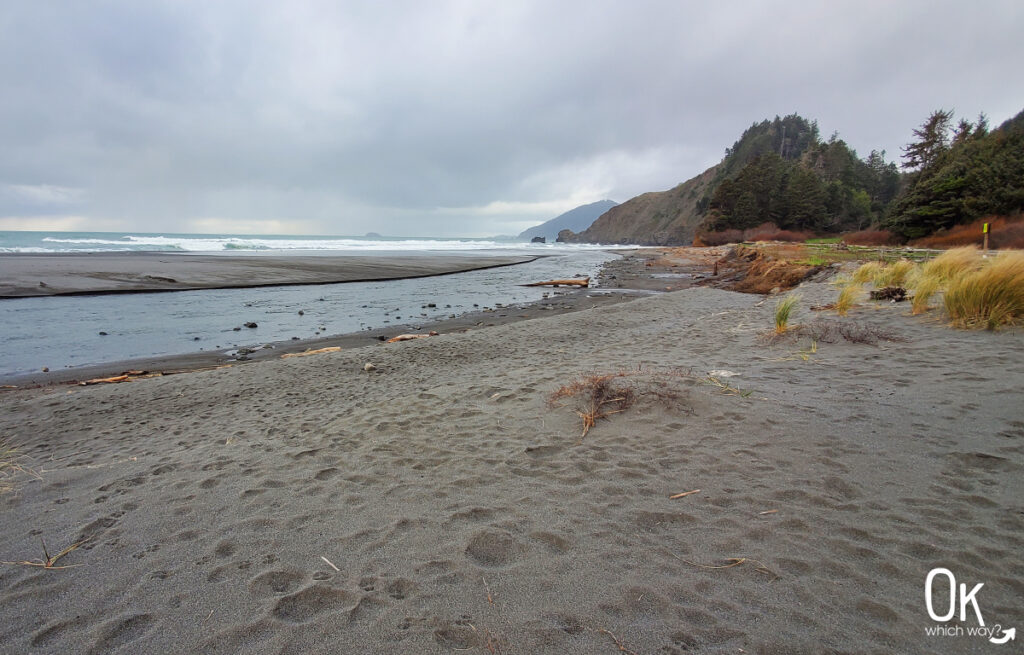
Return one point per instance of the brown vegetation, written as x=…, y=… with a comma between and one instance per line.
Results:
x=771, y=232
x=763, y=273
x=1004, y=232
x=718, y=238
x=600, y=395
x=829, y=331
x=763, y=232
x=871, y=238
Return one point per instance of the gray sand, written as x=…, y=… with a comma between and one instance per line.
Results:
x=54, y=274
x=465, y=514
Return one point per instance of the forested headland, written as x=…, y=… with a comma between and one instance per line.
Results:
x=782, y=180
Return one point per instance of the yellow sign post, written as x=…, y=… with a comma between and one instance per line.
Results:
x=984, y=231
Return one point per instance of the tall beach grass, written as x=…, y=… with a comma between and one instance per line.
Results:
x=848, y=297
x=952, y=263
x=988, y=297
x=783, y=311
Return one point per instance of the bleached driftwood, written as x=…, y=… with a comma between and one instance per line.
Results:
x=318, y=351
x=410, y=337
x=572, y=282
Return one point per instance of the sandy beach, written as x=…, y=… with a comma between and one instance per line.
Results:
x=755, y=498
x=23, y=275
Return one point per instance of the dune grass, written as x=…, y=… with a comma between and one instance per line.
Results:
x=783, y=311
x=848, y=297
x=895, y=274
x=952, y=263
x=924, y=289
x=989, y=297
x=868, y=272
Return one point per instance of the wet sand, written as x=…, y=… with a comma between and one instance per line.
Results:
x=23, y=275
x=440, y=504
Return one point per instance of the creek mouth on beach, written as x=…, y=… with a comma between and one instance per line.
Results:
x=73, y=336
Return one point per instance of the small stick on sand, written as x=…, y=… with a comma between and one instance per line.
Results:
x=736, y=561
x=488, y=588
x=330, y=564
x=50, y=561
x=768, y=511
x=685, y=493
x=618, y=643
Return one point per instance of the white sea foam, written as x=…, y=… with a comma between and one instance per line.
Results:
x=200, y=243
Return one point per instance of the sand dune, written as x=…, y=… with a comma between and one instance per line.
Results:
x=439, y=504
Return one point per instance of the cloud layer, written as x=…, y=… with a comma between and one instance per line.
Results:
x=452, y=118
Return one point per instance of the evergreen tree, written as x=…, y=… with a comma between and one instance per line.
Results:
x=805, y=198
x=932, y=141
x=979, y=174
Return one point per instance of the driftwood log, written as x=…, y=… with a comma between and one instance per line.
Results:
x=573, y=282
x=410, y=337
x=318, y=351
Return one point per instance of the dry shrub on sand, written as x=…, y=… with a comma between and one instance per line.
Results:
x=990, y=297
x=9, y=466
x=829, y=331
x=599, y=396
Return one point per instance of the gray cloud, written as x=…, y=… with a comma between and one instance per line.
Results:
x=447, y=118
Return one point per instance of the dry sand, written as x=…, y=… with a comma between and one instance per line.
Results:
x=462, y=513
x=24, y=275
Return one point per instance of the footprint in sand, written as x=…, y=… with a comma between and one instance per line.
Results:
x=278, y=582
x=493, y=547
x=304, y=605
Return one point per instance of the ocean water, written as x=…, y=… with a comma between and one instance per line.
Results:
x=53, y=242
x=64, y=331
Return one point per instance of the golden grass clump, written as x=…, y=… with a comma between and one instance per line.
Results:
x=868, y=272
x=783, y=311
x=895, y=274
x=924, y=289
x=951, y=263
x=990, y=297
x=848, y=297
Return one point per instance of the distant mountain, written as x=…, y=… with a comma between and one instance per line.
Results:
x=652, y=219
x=575, y=219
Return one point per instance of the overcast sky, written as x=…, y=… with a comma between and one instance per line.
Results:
x=448, y=118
